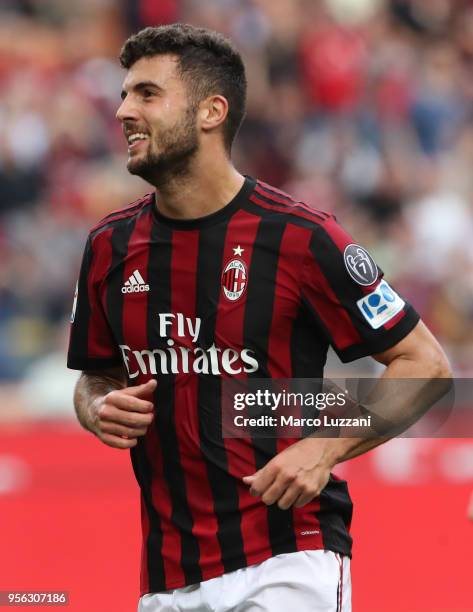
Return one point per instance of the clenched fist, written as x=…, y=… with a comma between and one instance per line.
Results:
x=123, y=415
x=295, y=476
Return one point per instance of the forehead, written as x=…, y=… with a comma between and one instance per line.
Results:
x=161, y=69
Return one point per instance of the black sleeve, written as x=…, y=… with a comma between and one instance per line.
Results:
x=346, y=293
x=91, y=343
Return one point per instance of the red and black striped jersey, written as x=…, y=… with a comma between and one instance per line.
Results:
x=260, y=288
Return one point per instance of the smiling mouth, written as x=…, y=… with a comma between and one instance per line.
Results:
x=136, y=140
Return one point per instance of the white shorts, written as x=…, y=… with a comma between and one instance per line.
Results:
x=305, y=581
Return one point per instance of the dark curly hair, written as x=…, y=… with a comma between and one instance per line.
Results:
x=207, y=61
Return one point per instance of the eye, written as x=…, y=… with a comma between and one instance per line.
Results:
x=147, y=93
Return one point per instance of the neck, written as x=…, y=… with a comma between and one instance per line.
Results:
x=206, y=188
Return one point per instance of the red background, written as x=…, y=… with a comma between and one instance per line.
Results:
x=70, y=522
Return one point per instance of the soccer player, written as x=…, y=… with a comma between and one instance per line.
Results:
x=216, y=275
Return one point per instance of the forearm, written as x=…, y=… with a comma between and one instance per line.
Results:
x=342, y=449
x=417, y=375
x=89, y=388
x=407, y=389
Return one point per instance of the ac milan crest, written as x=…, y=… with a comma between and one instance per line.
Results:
x=234, y=279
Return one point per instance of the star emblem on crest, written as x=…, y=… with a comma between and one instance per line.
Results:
x=238, y=251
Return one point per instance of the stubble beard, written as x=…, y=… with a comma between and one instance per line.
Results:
x=178, y=146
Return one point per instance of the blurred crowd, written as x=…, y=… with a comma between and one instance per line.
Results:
x=359, y=107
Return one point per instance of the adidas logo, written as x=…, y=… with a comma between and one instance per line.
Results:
x=135, y=284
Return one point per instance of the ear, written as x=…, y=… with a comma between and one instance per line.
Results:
x=212, y=112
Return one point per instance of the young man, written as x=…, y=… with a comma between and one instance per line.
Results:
x=216, y=275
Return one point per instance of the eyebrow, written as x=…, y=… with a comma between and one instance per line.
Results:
x=140, y=86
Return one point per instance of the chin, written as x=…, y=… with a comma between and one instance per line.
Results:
x=135, y=166
x=143, y=169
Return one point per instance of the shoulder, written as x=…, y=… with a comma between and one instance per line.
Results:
x=121, y=215
x=269, y=199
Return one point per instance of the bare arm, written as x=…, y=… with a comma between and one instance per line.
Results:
x=90, y=386
x=299, y=473
x=418, y=356
x=116, y=414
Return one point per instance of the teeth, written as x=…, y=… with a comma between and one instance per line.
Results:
x=137, y=136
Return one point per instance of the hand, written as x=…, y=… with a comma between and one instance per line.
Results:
x=123, y=415
x=296, y=475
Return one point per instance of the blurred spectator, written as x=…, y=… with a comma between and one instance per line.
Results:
x=141, y=13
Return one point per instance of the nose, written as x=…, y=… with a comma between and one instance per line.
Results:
x=127, y=111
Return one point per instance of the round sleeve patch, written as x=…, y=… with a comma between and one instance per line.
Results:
x=360, y=265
